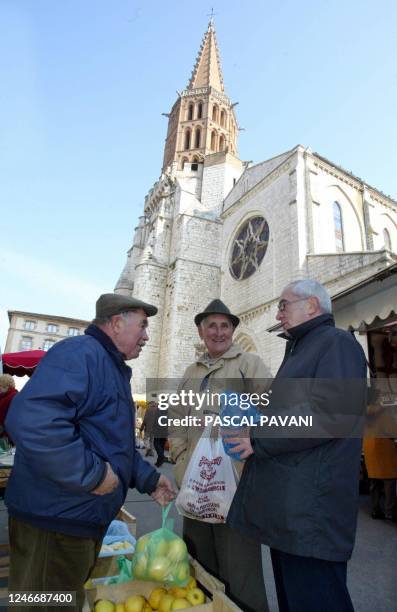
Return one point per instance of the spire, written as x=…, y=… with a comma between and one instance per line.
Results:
x=207, y=70
x=202, y=120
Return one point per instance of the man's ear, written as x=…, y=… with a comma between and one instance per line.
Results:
x=313, y=305
x=200, y=331
x=115, y=322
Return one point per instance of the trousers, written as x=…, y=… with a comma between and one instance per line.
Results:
x=232, y=558
x=43, y=560
x=304, y=584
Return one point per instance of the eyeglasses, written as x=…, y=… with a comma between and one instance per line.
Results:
x=282, y=305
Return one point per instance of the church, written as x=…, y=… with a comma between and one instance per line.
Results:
x=215, y=226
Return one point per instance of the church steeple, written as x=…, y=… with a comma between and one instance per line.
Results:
x=202, y=121
x=207, y=71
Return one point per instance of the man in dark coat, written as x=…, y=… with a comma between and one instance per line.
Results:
x=300, y=495
x=73, y=424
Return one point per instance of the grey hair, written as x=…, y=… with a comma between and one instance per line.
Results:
x=105, y=320
x=310, y=288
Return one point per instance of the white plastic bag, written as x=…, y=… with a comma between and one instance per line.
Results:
x=209, y=483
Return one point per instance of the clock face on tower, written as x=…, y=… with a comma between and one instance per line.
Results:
x=249, y=247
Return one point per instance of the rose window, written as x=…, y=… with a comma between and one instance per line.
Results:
x=249, y=248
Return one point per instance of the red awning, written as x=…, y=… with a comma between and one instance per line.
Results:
x=21, y=364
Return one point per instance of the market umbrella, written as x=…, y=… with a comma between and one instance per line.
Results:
x=21, y=364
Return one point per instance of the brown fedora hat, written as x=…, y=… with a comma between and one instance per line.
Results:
x=216, y=307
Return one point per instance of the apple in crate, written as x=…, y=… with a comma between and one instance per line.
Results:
x=195, y=596
x=155, y=597
x=180, y=604
x=104, y=605
x=165, y=603
x=135, y=603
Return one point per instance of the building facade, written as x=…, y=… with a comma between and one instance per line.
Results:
x=30, y=331
x=214, y=226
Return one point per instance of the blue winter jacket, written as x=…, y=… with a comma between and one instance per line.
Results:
x=75, y=414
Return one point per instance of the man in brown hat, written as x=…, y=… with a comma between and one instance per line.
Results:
x=229, y=555
x=73, y=425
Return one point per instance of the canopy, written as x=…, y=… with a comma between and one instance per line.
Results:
x=21, y=364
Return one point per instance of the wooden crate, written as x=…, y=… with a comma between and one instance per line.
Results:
x=108, y=566
x=5, y=473
x=128, y=518
x=218, y=601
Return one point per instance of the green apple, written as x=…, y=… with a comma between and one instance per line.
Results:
x=142, y=543
x=140, y=566
x=177, y=550
x=159, y=568
x=181, y=573
x=159, y=548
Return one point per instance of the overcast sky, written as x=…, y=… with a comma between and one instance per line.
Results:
x=83, y=86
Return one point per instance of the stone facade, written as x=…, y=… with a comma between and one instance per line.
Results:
x=322, y=222
x=33, y=331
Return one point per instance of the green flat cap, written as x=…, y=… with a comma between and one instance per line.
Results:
x=110, y=304
x=216, y=307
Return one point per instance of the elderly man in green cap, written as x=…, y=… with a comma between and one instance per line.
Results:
x=227, y=554
x=74, y=426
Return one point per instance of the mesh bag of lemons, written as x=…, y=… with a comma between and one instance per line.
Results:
x=161, y=555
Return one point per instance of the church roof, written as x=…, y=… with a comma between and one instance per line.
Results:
x=354, y=176
x=207, y=70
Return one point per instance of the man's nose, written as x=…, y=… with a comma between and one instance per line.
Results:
x=145, y=335
x=279, y=315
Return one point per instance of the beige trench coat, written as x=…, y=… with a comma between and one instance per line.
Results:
x=235, y=370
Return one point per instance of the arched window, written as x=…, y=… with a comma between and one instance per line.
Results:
x=190, y=111
x=223, y=118
x=386, y=239
x=215, y=113
x=221, y=142
x=194, y=166
x=213, y=140
x=338, y=228
x=187, y=139
x=199, y=110
x=197, y=138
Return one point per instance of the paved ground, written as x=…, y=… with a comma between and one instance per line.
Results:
x=372, y=572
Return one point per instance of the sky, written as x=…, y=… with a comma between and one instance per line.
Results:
x=83, y=86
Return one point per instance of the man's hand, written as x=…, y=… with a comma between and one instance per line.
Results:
x=109, y=484
x=242, y=446
x=164, y=492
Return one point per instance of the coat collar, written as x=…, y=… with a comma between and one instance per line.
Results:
x=108, y=344
x=297, y=332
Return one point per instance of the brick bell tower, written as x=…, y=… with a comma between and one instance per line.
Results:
x=202, y=120
x=175, y=258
